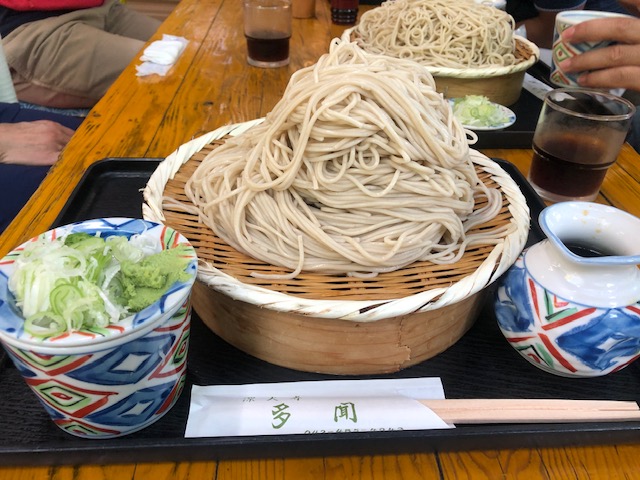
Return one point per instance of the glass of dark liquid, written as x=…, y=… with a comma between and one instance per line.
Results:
x=267, y=28
x=578, y=137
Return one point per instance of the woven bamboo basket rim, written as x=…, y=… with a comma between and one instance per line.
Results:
x=418, y=287
x=526, y=52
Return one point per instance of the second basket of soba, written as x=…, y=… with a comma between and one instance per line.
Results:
x=350, y=231
x=470, y=48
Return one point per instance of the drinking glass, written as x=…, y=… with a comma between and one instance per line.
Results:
x=267, y=28
x=577, y=138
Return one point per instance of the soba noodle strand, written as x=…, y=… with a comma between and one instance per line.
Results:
x=439, y=33
x=361, y=163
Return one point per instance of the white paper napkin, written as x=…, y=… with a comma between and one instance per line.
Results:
x=333, y=406
x=160, y=55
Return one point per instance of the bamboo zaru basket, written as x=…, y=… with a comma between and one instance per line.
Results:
x=500, y=84
x=327, y=323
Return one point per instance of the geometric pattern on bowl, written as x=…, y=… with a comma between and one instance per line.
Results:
x=562, y=51
x=115, y=391
x=560, y=336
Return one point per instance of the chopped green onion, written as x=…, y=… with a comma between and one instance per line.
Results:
x=478, y=111
x=45, y=324
x=83, y=281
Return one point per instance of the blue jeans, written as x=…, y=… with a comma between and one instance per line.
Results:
x=633, y=138
x=18, y=182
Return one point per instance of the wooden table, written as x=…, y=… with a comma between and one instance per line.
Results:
x=211, y=85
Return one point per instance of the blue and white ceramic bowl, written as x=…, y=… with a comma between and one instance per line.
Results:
x=106, y=382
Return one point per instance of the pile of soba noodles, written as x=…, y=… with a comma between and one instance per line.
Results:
x=360, y=168
x=439, y=33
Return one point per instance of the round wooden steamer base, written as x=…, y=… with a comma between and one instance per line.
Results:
x=334, y=346
x=329, y=345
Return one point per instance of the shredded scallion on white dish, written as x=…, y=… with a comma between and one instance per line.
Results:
x=478, y=111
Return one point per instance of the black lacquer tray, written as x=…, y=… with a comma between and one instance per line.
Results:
x=480, y=365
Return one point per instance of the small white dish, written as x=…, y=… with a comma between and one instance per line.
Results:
x=511, y=119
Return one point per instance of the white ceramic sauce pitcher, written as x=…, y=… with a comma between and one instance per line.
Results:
x=570, y=303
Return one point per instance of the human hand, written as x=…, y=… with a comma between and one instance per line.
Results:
x=615, y=66
x=32, y=143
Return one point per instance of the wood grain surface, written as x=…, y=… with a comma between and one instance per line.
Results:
x=211, y=85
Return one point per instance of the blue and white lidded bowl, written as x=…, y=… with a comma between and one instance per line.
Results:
x=111, y=381
x=570, y=304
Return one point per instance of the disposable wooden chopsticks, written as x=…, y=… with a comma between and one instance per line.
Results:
x=533, y=410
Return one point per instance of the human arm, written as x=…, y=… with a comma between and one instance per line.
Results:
x=32, y=143
x=540, y=28
x=538, y=17
x=615, y=66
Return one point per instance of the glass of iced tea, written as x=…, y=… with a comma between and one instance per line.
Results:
x=578, y=137
x=267, y=28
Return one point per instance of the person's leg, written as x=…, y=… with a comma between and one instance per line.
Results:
x=14, y=113
x=67, y=61
x=45, y=96
x=18, y=182
x=129, y=23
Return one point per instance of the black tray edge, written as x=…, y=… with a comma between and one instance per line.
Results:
x=112, y=451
